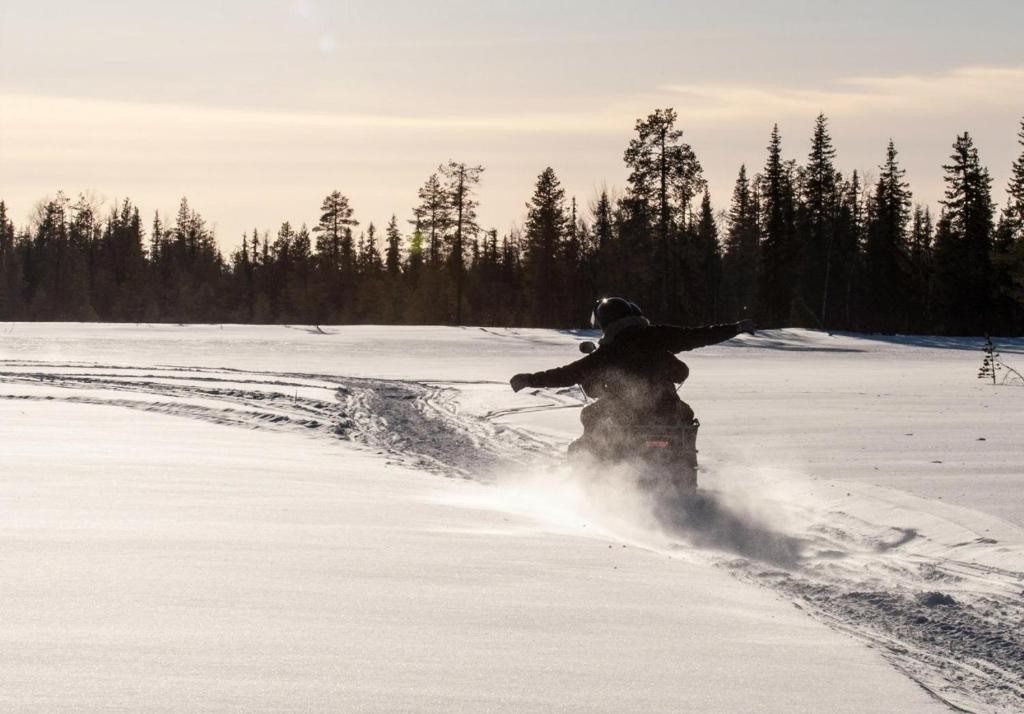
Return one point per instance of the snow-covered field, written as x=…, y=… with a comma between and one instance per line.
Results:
x=269, y=518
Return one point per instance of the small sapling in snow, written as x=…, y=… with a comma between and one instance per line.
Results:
x=992, y=365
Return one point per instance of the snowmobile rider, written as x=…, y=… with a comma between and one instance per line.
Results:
x=633, y=373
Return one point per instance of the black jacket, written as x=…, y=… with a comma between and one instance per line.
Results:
x=635, y=362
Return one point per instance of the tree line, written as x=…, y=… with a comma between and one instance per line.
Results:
x=801, y=244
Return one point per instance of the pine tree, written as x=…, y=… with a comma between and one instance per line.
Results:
x=242, y=269
x=664, y=178
x=817, y=224
x=963, y=244
x=370, y=261
x=1008, y=252
x=334, y=232
x=461, y=182
x=847, y=257
x=433, y=216
x=1014, y=214
x=603, y=237
x=195, y=268
x=156, y=238
x=336, y=255
x=415, y=262
x=741, y=259
x=921, y=233
x=778, y=249
x=706, y=262
x=11, y=280
x=546, y=228
x=393, y=259
x=886, y=255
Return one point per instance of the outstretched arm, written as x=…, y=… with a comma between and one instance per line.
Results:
x=573, y=373
x=680, y=339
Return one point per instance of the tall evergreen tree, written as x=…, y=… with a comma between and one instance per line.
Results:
x=920, y=286
x=461, y=182
x=433, y=216
x=665, y=175
x=370, y=260
x=11, y=281
x=742, y=253
x=546, y=228
x=1014, y=213
x=416, y=252
x=393, y=257
x=817, y=224
x=705, y=265
x=963, y=243
x=1008, y=252
x=886, y=254
x=334, y=232
x=156, y=238
x=778, y=247
x=601, y=259
x=336, y=253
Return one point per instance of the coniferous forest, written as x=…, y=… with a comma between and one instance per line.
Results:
x=801, y=244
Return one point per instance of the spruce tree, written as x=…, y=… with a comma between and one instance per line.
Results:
x=963, y=244
x=886, y=254
x=546, y=228
x=706, y=265
x=393, y=257
x=817, y=224
x=416, y=251
x=742, y=254
x=778, y=249
x=603, y=236
x=920, y=284
x=1008, y=252
x=847, y=257
x=11, y=280
x=1014, y=213
x=370, y=260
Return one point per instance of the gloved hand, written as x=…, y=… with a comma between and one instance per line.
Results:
x=745, y=325
x=519, y=381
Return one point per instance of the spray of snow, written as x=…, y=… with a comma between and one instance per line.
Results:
x=746, y=515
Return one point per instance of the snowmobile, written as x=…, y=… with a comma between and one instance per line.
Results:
x=662, y=452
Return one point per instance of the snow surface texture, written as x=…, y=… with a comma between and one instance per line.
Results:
x=159, y=563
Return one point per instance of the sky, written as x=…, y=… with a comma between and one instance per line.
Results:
x=255, y=110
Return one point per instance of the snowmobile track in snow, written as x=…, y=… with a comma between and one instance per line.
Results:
x=416, y=423
x=953, y=626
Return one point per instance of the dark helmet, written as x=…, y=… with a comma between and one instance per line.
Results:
x=610, y=309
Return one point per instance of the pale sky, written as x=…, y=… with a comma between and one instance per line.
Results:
x=256, y=110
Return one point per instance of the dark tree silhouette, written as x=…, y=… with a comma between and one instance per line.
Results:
x=547, y=225
x=778, y=249
x=963, y=243
x=799, y=246
x=461, y=182
x=742, y=252
x=817, y=216
x=664, y=178
x=886, y=253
